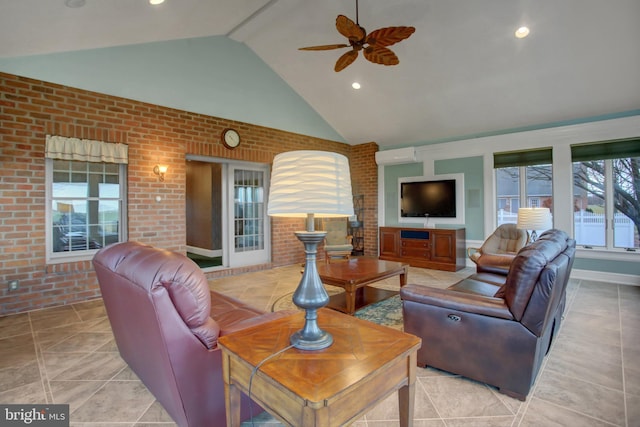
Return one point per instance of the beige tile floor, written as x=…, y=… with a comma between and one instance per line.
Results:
x=591, y=377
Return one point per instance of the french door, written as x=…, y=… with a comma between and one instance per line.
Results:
x=247, y=221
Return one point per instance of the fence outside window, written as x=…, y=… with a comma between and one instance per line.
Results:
x=589, y=228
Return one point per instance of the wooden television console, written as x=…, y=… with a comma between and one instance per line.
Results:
x=437, y=248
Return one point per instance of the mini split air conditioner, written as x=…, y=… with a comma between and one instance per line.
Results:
x=396, y=157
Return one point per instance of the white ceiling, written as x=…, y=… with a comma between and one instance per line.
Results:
x=462, y=73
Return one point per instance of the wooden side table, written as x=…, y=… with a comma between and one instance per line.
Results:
x=330, y=387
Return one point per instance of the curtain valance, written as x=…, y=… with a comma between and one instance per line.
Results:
x=606, y=150
x=60, y=147
x=540, y=156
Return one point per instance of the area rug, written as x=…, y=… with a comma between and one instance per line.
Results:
x=387, y=312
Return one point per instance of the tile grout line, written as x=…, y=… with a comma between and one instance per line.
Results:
x=430, y=401
x=578, y=289
x=46, y=388
x=624, y=384
x=567, y=309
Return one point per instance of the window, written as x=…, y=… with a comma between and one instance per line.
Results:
x=248, y=188
x=523, y=179
x=606, y=193
x=85, y=204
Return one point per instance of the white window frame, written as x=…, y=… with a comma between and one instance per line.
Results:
x=609, y=209
x=63, y=257
x=525, y=200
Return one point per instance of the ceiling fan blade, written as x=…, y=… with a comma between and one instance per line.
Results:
x=345, y=60
x=349, y=29
x=389, y=35
x=380, y=55
x=324, y=47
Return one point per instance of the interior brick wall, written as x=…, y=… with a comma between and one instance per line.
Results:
x=364, y=177
x=31, y=109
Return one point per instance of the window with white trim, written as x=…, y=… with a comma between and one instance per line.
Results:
x=606, y=194
x=524, y=179
x=85, y=192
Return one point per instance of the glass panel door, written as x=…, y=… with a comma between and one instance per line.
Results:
x=249, y=225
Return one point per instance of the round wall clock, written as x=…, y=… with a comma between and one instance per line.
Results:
x=230, y=138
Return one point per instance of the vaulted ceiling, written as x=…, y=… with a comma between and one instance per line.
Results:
x=462, y=73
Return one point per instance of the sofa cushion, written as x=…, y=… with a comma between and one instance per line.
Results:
x=476, y=287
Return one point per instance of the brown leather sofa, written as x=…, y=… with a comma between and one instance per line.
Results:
x=166, y=323
x=494, y=328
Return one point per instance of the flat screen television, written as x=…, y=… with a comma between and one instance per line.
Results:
x=430, y=199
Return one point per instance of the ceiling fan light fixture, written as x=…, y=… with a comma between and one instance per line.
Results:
x=374, y=46
x=522, y=32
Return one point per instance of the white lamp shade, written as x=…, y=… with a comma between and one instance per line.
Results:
x=310, y=182
x=534, y=218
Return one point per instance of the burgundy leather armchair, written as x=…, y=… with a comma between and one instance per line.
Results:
x=493, y=328
x=166, y=323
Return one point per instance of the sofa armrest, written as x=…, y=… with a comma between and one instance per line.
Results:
x=461, y=301
x=473, y=254
x=491, y=259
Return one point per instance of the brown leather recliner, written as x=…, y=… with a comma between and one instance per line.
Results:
x=493, y=333
x=166, y=323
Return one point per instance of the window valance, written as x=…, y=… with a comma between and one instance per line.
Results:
x=541, y=156
x=606, y=150
x=60, y=147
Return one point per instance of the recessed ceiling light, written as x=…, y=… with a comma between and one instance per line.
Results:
x=522, y=32
x=155, y=2
x=74, y=3
x=355, y=85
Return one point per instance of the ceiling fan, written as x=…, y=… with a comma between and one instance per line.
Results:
x=373, y=46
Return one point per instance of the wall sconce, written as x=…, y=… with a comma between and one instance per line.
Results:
x=160, y=170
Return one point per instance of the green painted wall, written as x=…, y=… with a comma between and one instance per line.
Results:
x=391, y=199
x=472, y=168
x=215, y=76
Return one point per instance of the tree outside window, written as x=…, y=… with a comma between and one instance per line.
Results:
x=606, y=182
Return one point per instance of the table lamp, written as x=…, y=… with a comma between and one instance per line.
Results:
x=534, y=219
x=310, y=184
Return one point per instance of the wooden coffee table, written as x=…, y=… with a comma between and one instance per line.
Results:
x=354, y=275
x=334, y=386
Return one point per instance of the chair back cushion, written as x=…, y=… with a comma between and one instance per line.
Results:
x=148, y=268
x=507, y=238
x=336, y=232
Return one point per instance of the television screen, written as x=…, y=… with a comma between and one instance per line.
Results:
x=433, y=199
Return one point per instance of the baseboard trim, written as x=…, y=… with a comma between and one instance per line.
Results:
x=603, y=276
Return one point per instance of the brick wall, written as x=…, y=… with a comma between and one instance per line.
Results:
x=364, y=177
x=31, y=109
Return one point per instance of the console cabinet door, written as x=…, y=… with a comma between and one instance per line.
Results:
x=389, y=242
x=443, y=246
